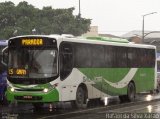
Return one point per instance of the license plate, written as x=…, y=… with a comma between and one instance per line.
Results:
x=27, y=97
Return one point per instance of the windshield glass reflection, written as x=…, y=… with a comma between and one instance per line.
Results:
x=38, y=63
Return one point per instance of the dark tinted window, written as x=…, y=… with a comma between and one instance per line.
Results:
x=66, y=60
x=138, y=57
x=98, y=56
x=110, y=56
x=82, y=55
x=121, y=57
x=107, y=56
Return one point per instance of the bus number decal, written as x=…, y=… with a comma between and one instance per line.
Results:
x=10, y=71
x=17, y=71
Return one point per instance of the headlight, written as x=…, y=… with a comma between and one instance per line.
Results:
x=45, y=90
x=12, y=89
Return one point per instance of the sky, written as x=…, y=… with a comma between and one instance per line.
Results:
x=115, y=17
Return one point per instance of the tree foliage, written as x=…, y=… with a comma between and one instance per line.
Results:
x=25, y=19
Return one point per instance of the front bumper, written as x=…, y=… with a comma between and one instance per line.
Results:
x=32, y=96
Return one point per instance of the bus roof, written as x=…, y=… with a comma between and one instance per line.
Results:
x=115, y=42
x=109, y=39
x=93, y=40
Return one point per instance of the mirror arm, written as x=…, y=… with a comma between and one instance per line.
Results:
x=3, y=56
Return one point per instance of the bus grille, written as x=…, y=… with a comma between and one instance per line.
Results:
x=29, y=89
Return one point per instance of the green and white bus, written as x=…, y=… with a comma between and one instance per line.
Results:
x=48, y=69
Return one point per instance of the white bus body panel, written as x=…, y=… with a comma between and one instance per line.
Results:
x=67, y=88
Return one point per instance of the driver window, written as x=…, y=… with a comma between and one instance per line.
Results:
x=66, y=60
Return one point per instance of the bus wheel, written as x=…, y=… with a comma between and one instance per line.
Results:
x=37, y=105
x=131, y=92
x=81, y=99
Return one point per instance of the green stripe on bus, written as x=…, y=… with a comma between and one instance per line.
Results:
x=143, y=76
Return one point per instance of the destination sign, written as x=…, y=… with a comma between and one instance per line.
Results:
x=17, y=71
x=32, y=42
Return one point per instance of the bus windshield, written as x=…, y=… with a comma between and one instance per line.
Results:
x=33, y=63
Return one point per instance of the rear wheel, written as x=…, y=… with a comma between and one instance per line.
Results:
x=131, y=92
x=81, y=99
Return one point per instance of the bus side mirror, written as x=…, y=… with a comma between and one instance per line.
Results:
x=5, y=56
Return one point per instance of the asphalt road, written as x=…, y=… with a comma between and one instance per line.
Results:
x=145, y=107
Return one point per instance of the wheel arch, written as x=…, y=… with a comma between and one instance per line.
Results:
x=82, y=104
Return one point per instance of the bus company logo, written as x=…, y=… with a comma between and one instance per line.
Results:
x=31, y=42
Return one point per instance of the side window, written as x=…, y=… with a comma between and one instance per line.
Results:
x=66, y=60
x=109, y=56
x=141, y=57
x=121, y=57
x=98, y=56
x=133, y=57
x=152, y=58
x=148, y=58
x=82, y=55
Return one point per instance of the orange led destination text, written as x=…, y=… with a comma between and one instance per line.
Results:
x=21, y=72
x=32, y=42
x=17, y=71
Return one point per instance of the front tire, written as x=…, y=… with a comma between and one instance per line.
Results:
x=81, y=99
